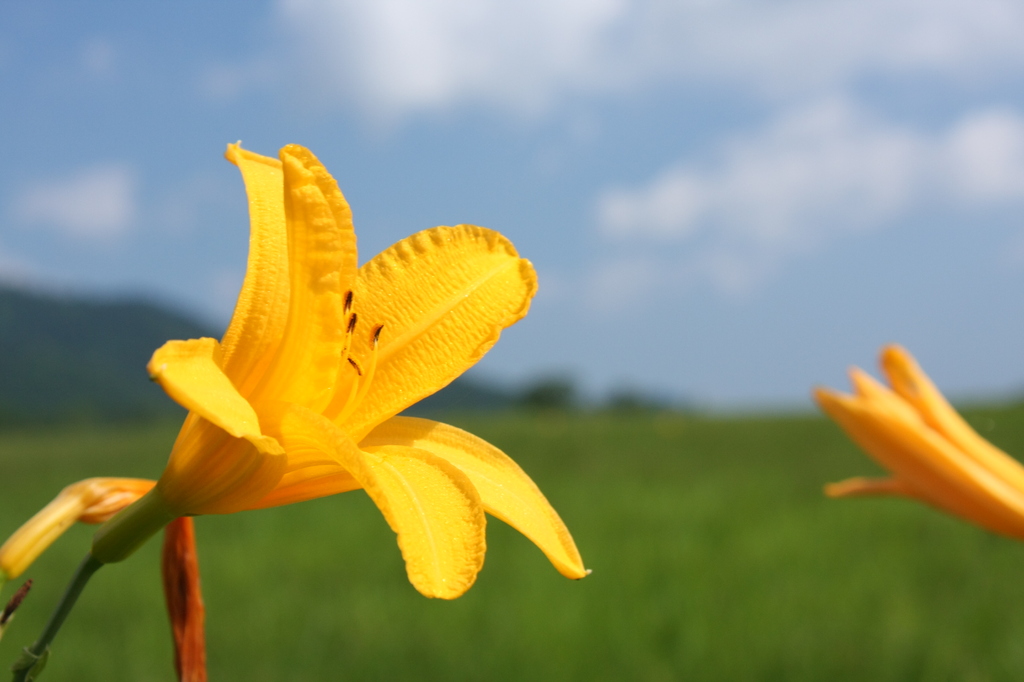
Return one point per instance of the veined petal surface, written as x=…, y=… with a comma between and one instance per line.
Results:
x=315, y=456
x=190, y=372
x=309, y=483
x=431, y=505
x=505, y=489
x=437, y=514
x=443, y=296
x=322, y=271
x=262, y=308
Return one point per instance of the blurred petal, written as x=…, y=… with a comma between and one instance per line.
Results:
x=882, y=398
x=429, y=503
x=111, y=495
x=322, y=271
x=505, y=489
x=189, y=371
x=180, y=572
x=916, y=388
x=93, y=500
x=443, y=296
x=262, y=308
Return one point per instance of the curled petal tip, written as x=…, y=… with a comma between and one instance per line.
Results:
x=896, y=358
x=856, y=374
x=895, y=351
x=824, y=396
x=232, y=150
x=576, y=572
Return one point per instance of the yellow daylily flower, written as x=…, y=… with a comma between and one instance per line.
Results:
x=94, y=500
x=299, y=399
x=931, y=452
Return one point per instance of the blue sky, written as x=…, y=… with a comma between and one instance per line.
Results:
x=728, y=201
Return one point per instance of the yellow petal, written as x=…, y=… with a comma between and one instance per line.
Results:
x=930, y=467
x=429, y=503
x=505, y=489
x=443, y=296
x=190, y=372
x=863, y=487
x=437, y=514
x=93, y=500
x=309, y=483
x=262, y=308
x=313, y=469
x=322, y=271
x=916, y=388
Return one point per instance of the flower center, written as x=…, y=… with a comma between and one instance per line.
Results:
x=353, y=381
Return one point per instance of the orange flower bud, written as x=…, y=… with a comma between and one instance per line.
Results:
x=93, y=500
x=180, y=569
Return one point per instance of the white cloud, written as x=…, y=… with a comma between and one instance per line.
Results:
x=399, y=55
x=826, y=164
x=402, y=56
x=985, y=156
x=96, y=203
x=815, y=171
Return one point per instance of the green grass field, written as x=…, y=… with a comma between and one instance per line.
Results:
x=715, y=557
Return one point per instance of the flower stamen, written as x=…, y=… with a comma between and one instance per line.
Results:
x=366, y=379
x=343, y=385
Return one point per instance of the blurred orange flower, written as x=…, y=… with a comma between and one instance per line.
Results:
x=931, y=453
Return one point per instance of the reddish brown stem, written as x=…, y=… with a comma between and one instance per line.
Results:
x=180, y=568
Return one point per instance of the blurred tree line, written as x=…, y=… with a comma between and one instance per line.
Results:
x=544, y=394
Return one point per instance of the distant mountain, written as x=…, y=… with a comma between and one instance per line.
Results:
x=64, y=358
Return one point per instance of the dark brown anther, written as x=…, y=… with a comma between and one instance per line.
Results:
x=15, y=602
x=376, y=334
x=348, y=302
x=356, y=365
x=352, y=323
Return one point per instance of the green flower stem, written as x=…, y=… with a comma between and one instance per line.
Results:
x=32, y=659
x=119, y=537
